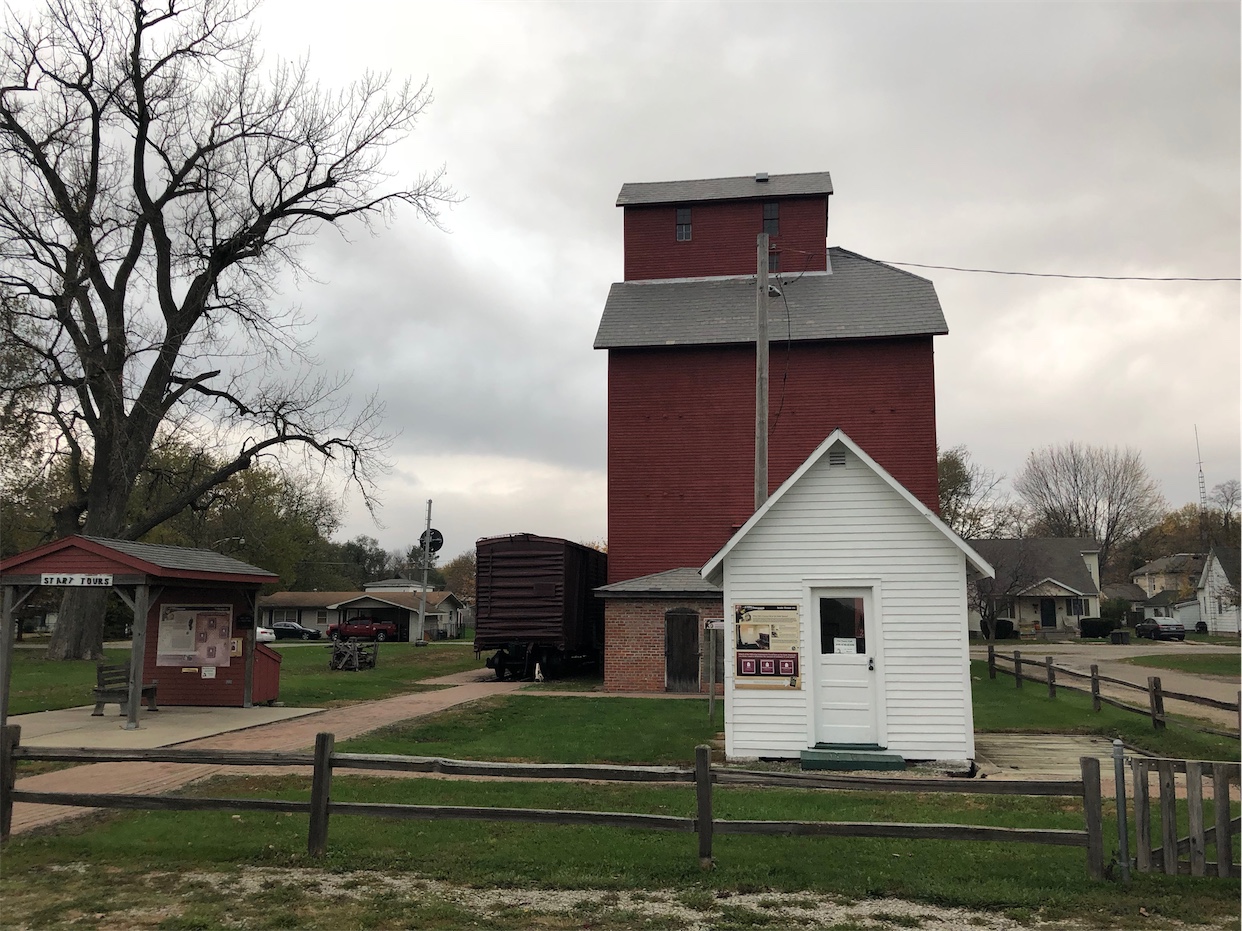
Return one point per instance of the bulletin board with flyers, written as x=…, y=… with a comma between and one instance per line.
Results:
x=195, y=635
x=767, y=642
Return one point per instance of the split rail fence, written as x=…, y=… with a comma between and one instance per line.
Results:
x=1156, y=694
x=324, y=760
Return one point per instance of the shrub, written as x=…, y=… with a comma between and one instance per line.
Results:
x=1089, y=627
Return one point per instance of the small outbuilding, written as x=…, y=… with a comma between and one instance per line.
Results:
x=194, y=614
x=846, y=620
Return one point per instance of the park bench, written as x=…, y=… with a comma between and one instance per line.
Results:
x=353, y=654
x=112, y=685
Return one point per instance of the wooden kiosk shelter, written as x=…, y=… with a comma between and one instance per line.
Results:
x=201, y=603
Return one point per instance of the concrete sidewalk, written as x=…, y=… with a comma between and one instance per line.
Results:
x=76, y=727
x=292, y=733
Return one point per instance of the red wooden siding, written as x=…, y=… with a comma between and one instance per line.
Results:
x=723, y=239
x=681, y=435
x=176, y=687
x=266, y=674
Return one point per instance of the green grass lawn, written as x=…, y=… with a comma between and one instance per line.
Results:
x=90, y=874
x=999, y=707
x=39, y=684
x=1026, y=882
x=306, y=680
x=536, y=729
x=1204, y=664
x=1221, y=639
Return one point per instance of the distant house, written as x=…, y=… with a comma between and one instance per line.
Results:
x=1180, y=572
x=1044, y=586
x=1124, y=591
x=444, y=618
x=1217, y=591
x=1173, y=604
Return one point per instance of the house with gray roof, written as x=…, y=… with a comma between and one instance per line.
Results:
x=1043, y=586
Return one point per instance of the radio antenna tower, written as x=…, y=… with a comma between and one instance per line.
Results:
x=1203, y=508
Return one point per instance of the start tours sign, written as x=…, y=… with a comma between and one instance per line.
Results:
x=77, y=580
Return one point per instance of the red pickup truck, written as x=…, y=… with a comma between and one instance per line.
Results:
x=364, y=628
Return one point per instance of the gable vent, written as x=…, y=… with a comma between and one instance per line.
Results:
x=836, y=458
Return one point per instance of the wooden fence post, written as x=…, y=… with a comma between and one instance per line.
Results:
x=1168, y=816
x=1017, y=669
x=1093, y=811
x=1142, y=816
x=703, y=794
x=1052, y=677
x=1119, y=794
x=10, y=737
x=1194, y=817
x=1095, y=687
x=1155, y=700
x=321, y=787
x=991, y=661
x=1224, y=824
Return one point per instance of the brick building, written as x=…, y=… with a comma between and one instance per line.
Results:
x=851, y=348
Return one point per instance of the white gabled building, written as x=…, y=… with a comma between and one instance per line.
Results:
x=1217, y=591
x=846, y=618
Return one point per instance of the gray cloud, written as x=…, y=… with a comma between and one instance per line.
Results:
x=1077, y=138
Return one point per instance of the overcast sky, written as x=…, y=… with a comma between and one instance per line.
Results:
x=1076, y=138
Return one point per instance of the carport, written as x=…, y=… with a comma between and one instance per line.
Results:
x=202, y=602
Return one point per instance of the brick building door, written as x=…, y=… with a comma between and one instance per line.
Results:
x=681, y=651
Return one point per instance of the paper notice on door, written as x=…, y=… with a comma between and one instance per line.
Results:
x=844, y=645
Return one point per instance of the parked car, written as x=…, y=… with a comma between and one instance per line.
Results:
x=363, y=628
x=1160, y=628
x=264, y=635
x=292, y=630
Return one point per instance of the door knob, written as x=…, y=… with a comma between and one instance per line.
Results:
x=871, y=663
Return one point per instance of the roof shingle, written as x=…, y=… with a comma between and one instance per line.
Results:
x=861, y=299
x=743, y=188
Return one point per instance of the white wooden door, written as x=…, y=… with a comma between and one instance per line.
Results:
x=846, y=695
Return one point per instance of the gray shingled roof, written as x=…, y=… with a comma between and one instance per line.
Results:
x=1127, y=591
x=1191, y=563
x=1032, y=560
x=181, y=557
x=1167, y=598
x=672, y=583
x=861, y=299
x=688, y=192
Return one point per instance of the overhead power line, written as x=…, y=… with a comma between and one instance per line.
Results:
x=994, y=271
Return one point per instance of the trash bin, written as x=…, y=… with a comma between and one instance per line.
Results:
x=1119, y=636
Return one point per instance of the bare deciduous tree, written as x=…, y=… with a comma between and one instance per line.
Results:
x=1077, y=490
x=994, y=599
x=971, y=500
x=155, y=179
x=1227, y=496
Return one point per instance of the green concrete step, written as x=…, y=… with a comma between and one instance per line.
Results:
x=845, y=757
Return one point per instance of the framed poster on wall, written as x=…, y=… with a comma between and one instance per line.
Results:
x=195, y=635
x=766, y=647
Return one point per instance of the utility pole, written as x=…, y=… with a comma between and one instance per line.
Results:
x=422, y=605
x=761, y=371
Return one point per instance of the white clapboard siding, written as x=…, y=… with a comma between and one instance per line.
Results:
x=847, y=524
